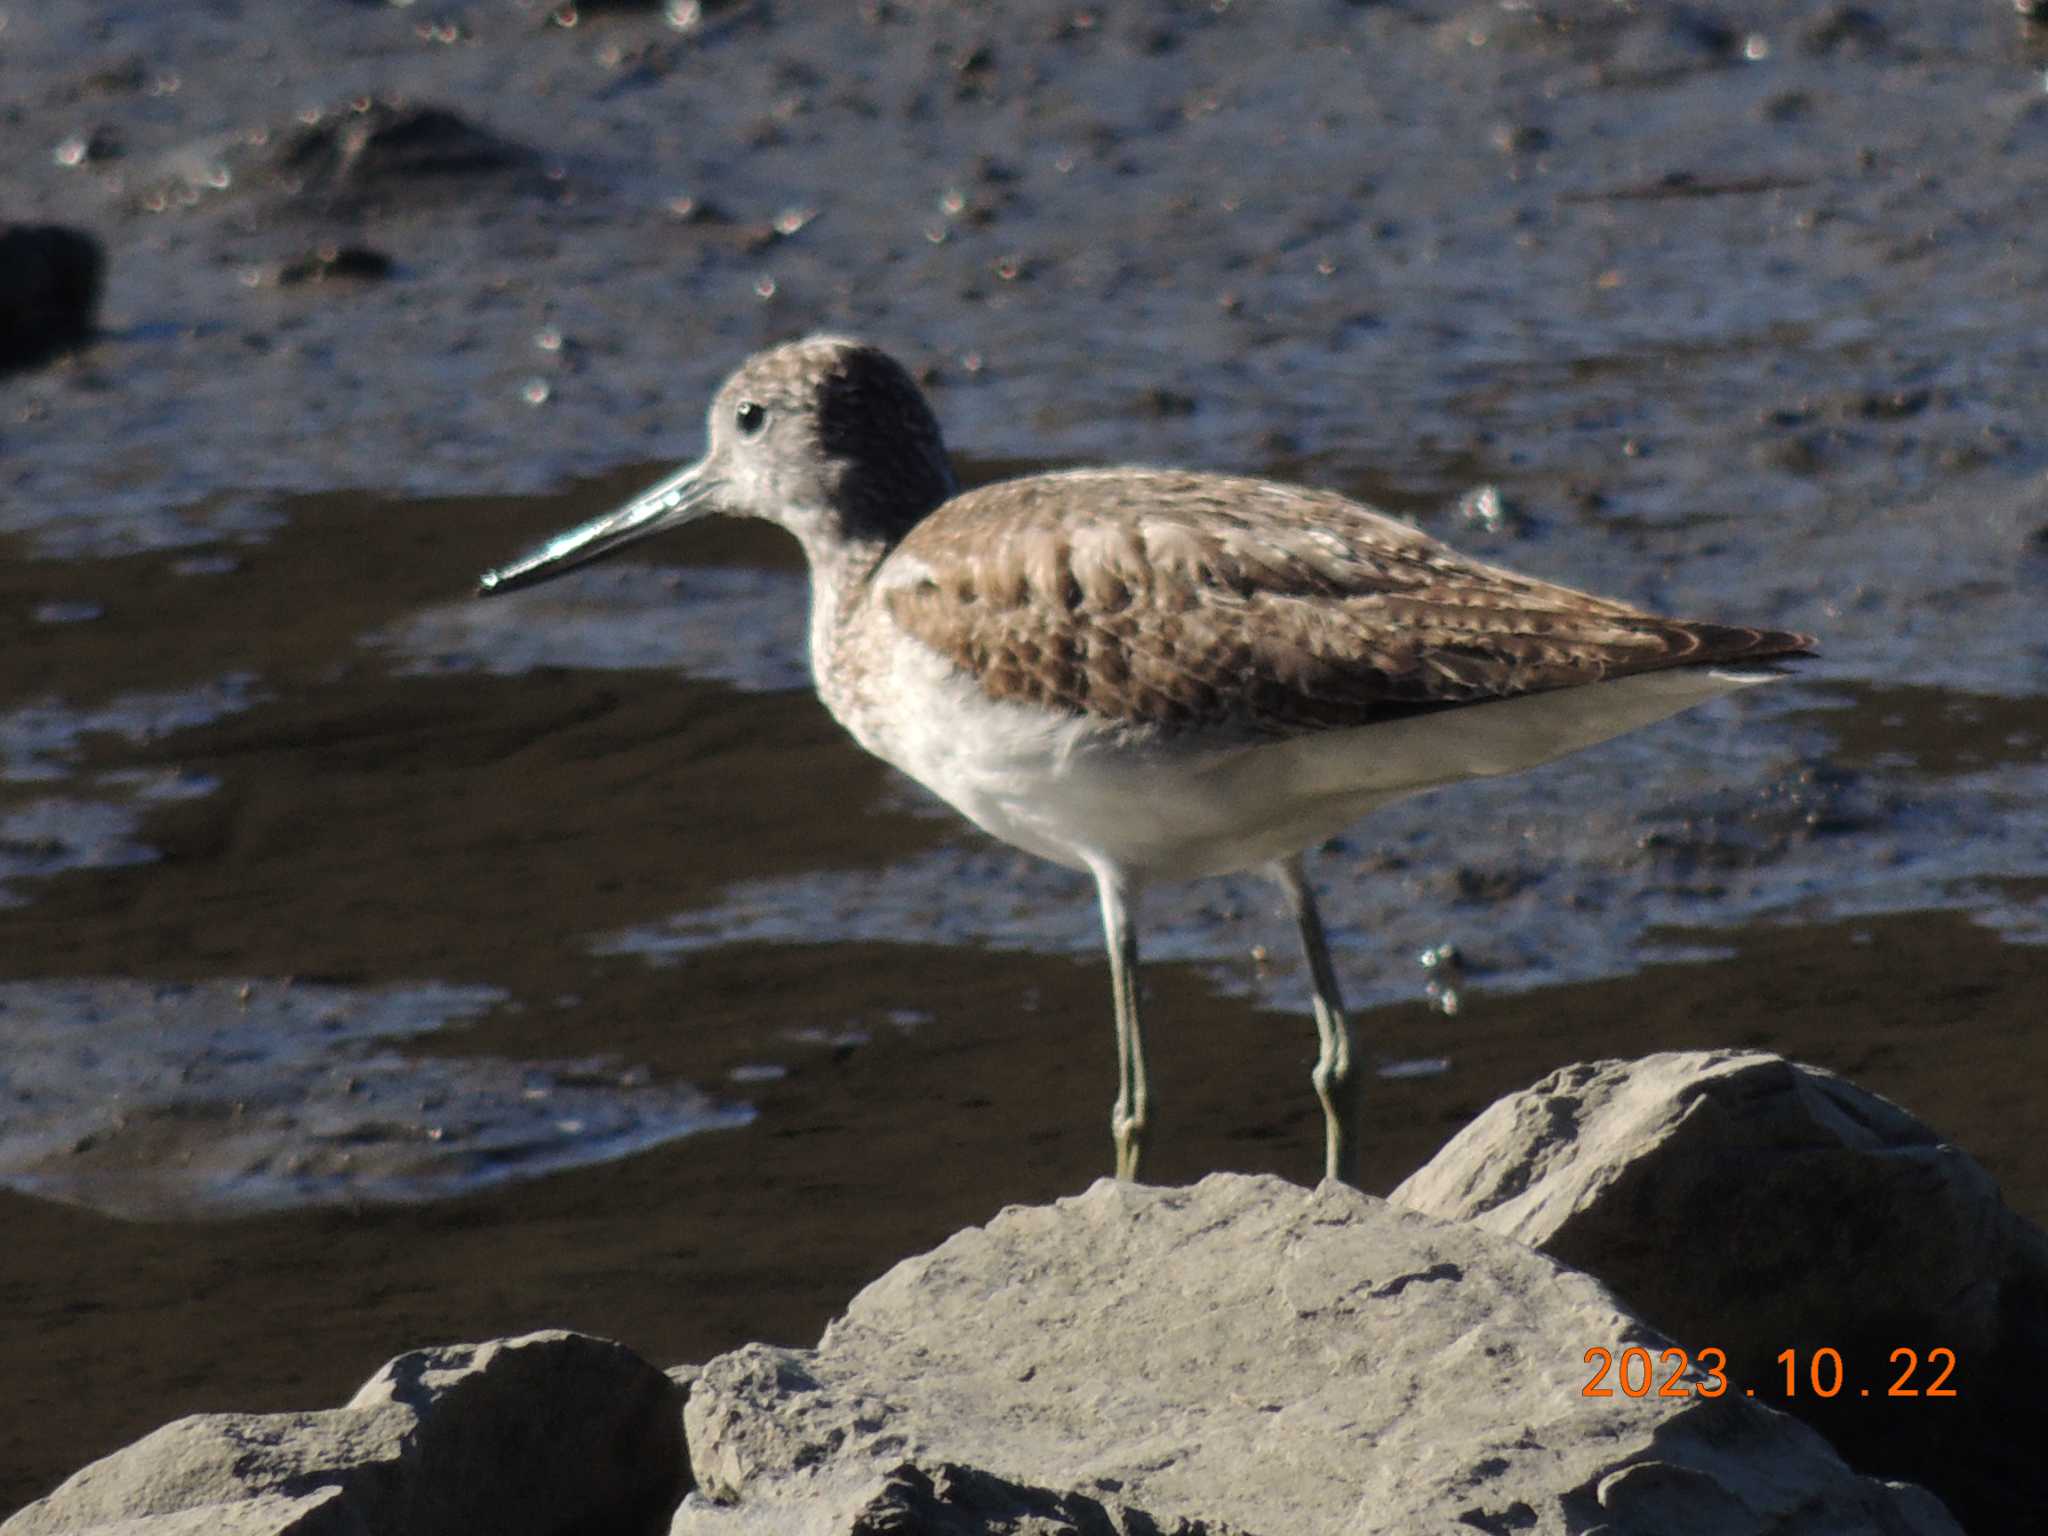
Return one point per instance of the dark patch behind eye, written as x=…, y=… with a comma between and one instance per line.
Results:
x=874, y=424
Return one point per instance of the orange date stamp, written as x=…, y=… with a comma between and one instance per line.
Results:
x=1634, y=1372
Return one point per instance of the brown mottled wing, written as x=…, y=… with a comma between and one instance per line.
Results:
x=1206, y=602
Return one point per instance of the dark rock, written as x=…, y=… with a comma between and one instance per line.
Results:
x=1668, y=41
x=50, y=279
x=1520, y=138
x=1741, y=1202
x=1807, y=453
x=1853, y=27
x=380, y=150
x=116, y=77
x=1787, y=107
x=1159, y=403
x=95, y=147
x=694, y=16
x=1892, y=405
x=340, y=262
x=1703, y=30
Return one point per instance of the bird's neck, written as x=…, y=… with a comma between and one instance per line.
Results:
x=842, y=569
x=844, y=547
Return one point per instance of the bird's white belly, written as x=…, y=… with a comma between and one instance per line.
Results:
x=1053, y=788
x=1070, y=789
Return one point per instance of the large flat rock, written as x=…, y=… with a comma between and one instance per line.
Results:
x=1248, y=1355
x=1741, y=1201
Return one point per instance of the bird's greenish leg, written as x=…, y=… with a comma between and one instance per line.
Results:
x=1332, y=1074
x=1127, y=1116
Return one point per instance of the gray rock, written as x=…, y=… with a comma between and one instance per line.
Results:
x=1740, y=1201
x=1247, y=1354
x=549, y=1433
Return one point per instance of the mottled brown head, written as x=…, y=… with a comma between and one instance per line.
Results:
x=826, y=436
x=829, y=426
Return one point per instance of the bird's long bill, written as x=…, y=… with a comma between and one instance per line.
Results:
x=682, y=498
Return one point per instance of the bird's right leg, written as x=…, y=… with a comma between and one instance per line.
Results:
x=1127, y=1116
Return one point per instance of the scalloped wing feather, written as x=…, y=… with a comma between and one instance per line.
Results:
x=1208, y=602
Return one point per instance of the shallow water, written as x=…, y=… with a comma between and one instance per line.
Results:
x=305, y=857
x=421, y=802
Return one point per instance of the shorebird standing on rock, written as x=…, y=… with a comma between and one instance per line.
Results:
x=1153, y=675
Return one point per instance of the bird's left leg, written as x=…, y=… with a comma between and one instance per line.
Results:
x=1332, y=1075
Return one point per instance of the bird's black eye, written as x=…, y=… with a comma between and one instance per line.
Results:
x=751, y=417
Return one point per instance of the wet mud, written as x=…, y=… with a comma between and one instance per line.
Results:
x=380, y=968
x=430, y=874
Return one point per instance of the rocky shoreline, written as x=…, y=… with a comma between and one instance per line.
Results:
x=1246, y=1355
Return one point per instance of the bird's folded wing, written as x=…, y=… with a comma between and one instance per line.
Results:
x=1183, y=601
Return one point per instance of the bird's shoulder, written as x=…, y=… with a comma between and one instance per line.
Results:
x=1101, y=539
